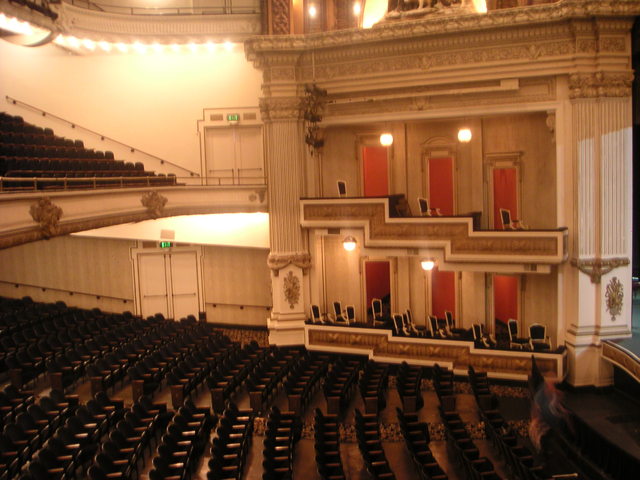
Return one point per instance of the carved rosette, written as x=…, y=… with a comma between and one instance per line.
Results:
x=277, y=262
x=154, y=202
x=614, y=296
x=47, y=215
x=281, y=108
x=291, y=286
x=600, y=84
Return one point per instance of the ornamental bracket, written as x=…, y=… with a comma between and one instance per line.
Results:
x=596, y=267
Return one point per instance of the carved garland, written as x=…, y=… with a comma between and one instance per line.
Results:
x=600, y=84
x=47, y=215
x=597, y=267
x=277, y=262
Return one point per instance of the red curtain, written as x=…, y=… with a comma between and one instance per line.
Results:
x=441, y=184
x=505, y=297
x=376, y=171
x=443, y=293
x=505, y=194
x=378, y=280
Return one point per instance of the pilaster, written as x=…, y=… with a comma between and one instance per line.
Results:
x=601, y=244
x=289, y=259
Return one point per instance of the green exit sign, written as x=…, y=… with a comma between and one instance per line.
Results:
x=166, y=244
x=233, y=117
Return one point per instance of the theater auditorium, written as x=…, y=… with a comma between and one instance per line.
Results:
x=319, y=239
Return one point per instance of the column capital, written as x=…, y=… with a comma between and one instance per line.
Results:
x=278, y=261
x=600, y=84
x=281, y=108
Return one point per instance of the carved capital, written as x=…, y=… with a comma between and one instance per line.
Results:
x=596, y=267
x=47, y=215
x=154, y=202
x=600, y=84
x=281, y=108
x=277, y=262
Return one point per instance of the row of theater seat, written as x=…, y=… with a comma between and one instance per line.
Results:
x=327, y=446
x=281, y=435
x=304, y=379
x=340, y=383
x=370, y=445
x=373, y=385
x=417, y=438
x=231, y=444
x=61, y=164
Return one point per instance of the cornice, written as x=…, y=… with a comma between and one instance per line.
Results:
x=453, y=25
x=109, y=26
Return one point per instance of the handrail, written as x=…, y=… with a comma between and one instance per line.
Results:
x=102, y=137
x=63, y=290
x=91, y=183
x=226, y=7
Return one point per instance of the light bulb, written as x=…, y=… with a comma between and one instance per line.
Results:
x=349, y=244
x=427, y=264
x=386, y=139
x=464, y=135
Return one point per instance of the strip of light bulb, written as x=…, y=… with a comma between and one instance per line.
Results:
x=137, y=46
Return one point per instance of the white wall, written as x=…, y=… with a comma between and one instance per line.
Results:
x=149, y=101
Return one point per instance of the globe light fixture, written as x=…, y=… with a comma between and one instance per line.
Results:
x=386, y=139
x=464, y=135
x=349, y=243
x=313, y=11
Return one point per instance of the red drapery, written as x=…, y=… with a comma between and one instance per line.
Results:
x=505, y=297
x=443, y=294
x=441, y=184
x=375, y=171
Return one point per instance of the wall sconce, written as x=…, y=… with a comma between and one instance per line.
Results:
x=386, y=139
x=464, y=135
x=427, y=265
x=312, y=11
x=357, y=8
x=349, y=243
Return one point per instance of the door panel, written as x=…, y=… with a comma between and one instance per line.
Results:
x=441, y=184
x=505, y=194
x=153, y=285
x=375, y=170
x=443, y=292
x=184, y=283
x=378, y=283
x=505, y=297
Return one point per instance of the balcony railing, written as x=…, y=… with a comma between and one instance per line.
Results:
x=178, y=7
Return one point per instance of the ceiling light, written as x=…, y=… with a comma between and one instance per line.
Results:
x=464, y=135
x=105, y=46
x=357, y=8
x=313, y=11
x=427, y=265
x=386, y=139
x=349, y=243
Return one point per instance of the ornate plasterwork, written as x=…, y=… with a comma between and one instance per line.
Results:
x=280, y=17
x=596, y=267
x=291, y=288
x=614, y=296
x=281, y=108
x=99, y=25
x=47, y=215
x=154, y=202
x=277, y=262
x=622, y=357
x=600, y=84
x=461, y=243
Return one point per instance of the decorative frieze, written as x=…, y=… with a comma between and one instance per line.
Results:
x=277, y=262
x=600, y=84
x=281, y=108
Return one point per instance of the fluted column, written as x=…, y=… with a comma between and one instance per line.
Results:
x=289, y=259
x=602, y=160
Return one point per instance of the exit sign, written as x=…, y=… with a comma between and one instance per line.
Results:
x=233, y=117
x=166, y=244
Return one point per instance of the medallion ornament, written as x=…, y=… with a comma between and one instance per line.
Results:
x=47, y=215
x=614, y=295
x=154, y=202
x=291, y=289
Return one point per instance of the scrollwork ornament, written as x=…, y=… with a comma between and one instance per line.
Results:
x=291, y=285
x=154, y=202
x=614, y=295
x=47, y=215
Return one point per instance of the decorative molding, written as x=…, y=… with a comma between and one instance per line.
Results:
x=47, y=215
x=614, y=295
x=280, y=17
x=277, y=262
x=596, y=267
x=455, y=235
x=281, y=108
x=154, y=202
x=108, y=26
x=622, y=357
x=551, y=125
x=600, y=84
x=291, y=287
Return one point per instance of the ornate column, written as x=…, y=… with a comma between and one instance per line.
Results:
x=602, y=165
x=289, y=259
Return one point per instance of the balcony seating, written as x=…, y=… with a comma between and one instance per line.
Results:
x=31, y=152
x=515, y=341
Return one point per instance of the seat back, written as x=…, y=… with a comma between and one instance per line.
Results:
x=376, y=307
x=537, y=331
x=423, y=203
x=316, y=316
x=351, y=314
x=433, y=325
x=342, y=188
x=512, y=326
x=505, y=218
